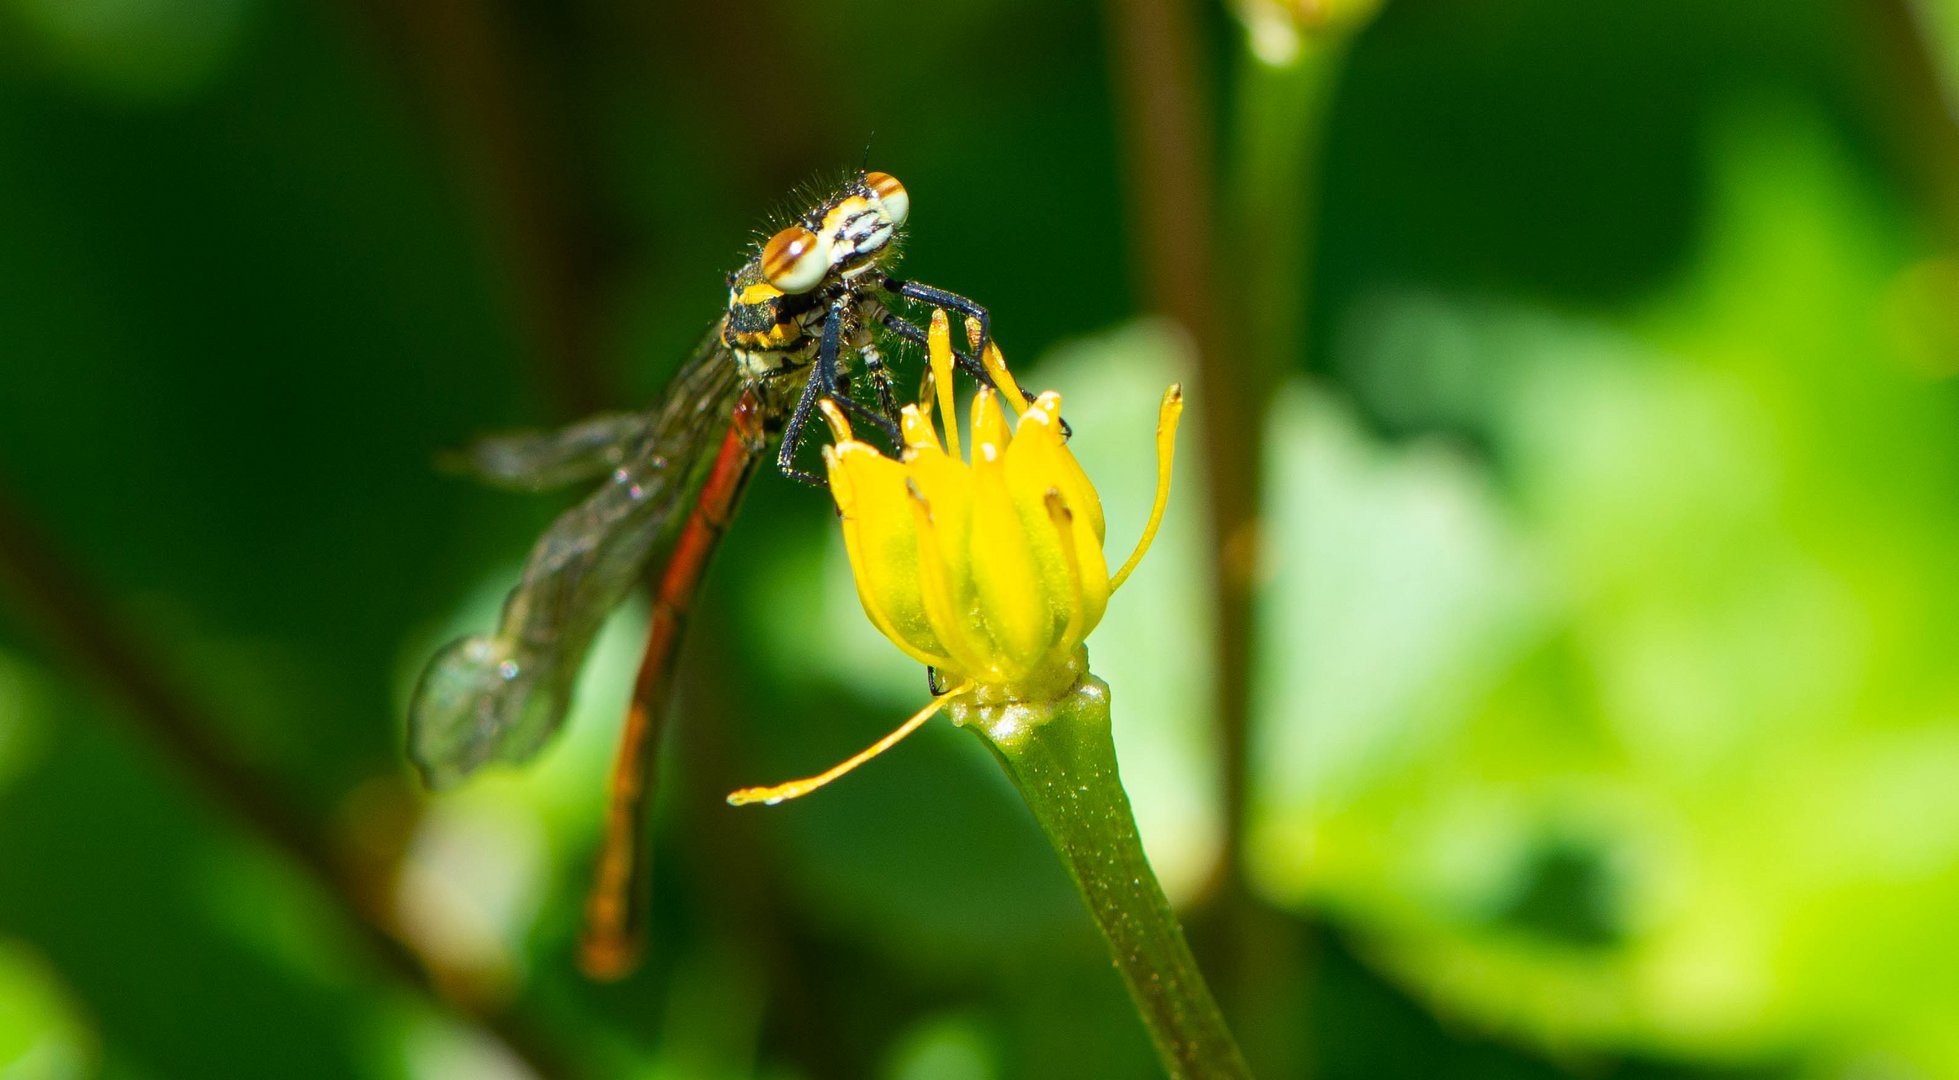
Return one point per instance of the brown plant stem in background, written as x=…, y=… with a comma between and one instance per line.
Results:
x=75, y=623
x=482, y=98
x=1239, y=280
x=1274, y=171
x=1914, y=108
x=1171, y=163
x=1155, y=50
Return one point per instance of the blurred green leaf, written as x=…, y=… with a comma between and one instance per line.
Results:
x=1698, y=647
x=42, y=1034
x=149, y=51
x=1938, y=20
x=943, y=1048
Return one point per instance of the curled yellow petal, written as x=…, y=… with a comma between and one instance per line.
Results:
x=795, y=789
x=839, y=425
x=938, y=346
x=989, y=426
x=880, y=538
x=1038, y=439
x=1064, y=528
x=1167, y=415
x=1037, y=462
x=996, y=367
x=915, y=426
x=1012, y=600
x=936, y=588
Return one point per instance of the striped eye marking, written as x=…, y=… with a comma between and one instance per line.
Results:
x=891, y=194
x=795, y=259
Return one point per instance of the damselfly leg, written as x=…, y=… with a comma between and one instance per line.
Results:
x=880, y=377
x=827, y=380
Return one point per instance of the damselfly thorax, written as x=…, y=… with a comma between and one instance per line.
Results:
x=832, y=259
x=813, y=298
x=776, y=335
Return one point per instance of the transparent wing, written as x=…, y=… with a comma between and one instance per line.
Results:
x=500, y=696
x=542, y=460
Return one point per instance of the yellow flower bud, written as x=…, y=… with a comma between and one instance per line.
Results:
x=987, y=566
x=992, y=570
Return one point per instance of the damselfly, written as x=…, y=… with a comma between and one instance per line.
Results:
x=813, y=297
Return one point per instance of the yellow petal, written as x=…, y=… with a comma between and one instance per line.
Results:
x=1040, y=427
x=1167, y=415
x=989, y=423
x=996, y=366
x=945, y=586
x=1063, y=520
x=915, y=425
x=938, y=347
x=881, y=539
x=1038, y=462
x=1006, y=576
x=945, y=485
x=833, y=415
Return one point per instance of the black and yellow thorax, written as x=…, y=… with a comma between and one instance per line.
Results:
x=830, y=260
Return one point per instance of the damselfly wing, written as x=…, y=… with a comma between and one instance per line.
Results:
x=811, y=304
x=500, y=696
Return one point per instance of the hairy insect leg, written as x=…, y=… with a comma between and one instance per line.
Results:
x=822, y=383
x=880, y=376
x=867, y=414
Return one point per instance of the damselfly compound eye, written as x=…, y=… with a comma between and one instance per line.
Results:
x=897, y=202
x=796, y=259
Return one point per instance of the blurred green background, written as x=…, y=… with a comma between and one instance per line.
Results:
x=1546, y=670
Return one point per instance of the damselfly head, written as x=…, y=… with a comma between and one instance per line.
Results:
x=845, y=233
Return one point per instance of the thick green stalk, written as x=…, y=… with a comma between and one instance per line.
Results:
x=1061, y=755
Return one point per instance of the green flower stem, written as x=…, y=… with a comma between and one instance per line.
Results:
x=1061, y=755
